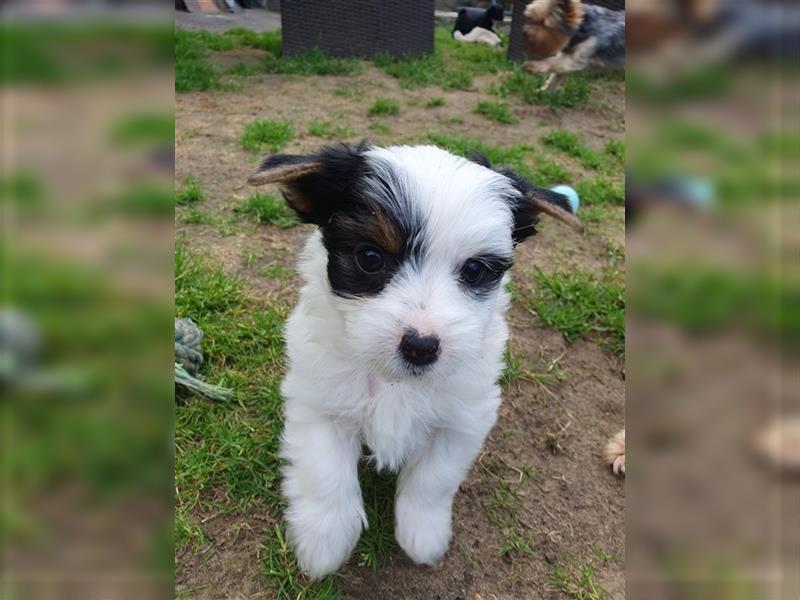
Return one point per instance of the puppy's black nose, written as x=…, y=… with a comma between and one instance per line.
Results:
x=419, y=349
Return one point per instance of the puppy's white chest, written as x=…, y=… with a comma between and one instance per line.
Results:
x=395, y=422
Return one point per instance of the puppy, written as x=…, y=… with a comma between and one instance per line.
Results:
x=570, y=36
x=396, y=342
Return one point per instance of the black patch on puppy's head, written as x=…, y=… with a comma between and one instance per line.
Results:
x=355, y=208
x=530, y=203
x=321, y=183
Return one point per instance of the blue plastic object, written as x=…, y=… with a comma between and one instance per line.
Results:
x=571, y=194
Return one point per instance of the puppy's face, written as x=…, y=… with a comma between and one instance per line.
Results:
x=418, y=242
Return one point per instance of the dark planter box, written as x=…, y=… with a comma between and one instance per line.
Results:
x=361, y=28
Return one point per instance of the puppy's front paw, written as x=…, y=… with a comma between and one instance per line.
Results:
x=323, y=538
x=422, y=532
x=614, y=453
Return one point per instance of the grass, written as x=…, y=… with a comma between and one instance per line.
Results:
x=577, y=581
x=496, y=111
x=197, y=217
x=451, y=66
x=579, y=305
x=267, y=208
x=703, y=300
x=266, y=134
x=377, y=542
x=600, y=190
x=517, y=157
x=192, y=71
x=501, y=508
x=144, y=128
x=465, y=146
x=226, y=453
x=313, y=62
x=330, y=130
x=143, y=200
x=573, y=91
x=435, y=101
x=25, y=188
x=384, y=107
x=381, y=127
x=571, y=144
x=192, y=192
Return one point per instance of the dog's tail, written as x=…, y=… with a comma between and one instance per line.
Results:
x=562, y=15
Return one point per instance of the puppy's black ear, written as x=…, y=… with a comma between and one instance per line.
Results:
x=535, y=201
x=315, y=185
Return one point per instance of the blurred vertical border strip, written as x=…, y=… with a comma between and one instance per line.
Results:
x=87, y=192
x=713, y=397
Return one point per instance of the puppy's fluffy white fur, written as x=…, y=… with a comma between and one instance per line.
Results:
x=413, y=246
x=344, y=384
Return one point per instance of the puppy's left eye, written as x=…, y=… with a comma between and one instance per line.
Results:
x=369, y=259
x=474, y=272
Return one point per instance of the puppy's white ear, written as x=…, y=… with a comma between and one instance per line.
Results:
x=315, y=185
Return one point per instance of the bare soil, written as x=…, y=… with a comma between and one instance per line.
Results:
x=574, y=505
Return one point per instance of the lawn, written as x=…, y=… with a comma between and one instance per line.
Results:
x=539, y=512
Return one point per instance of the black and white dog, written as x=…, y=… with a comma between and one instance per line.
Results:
x=477, y=24
x=396, y=342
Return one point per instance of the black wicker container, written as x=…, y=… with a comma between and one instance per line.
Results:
x=360, y=28
x=515, y=49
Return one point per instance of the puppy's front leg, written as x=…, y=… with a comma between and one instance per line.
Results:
x=325, y=512
x=425, y=490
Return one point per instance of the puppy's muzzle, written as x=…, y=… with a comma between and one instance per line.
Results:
x=419, y=350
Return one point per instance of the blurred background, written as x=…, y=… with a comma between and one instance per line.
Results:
x=713, y=289
x=86, y=190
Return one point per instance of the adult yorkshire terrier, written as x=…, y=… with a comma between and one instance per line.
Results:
x=568, y=36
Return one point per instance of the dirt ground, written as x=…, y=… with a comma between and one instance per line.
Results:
x=573, y=505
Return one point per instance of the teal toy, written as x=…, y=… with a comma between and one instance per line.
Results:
x=571, y=194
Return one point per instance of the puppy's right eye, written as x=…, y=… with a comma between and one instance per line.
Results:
x=369, y=259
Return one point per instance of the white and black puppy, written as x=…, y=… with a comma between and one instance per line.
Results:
x=396, y=343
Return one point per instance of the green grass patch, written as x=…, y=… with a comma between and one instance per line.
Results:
x=230, y=447
x=572, y=92
x=243, y=70
x=197, y=217
x=24, y=188
x=384, y=107
x=144, y=200
x=703, y=300
x=451, y=66
x=549, y=173
x=600, y=190
x=193, y=72
x=571, y=144
x=615, y=149
x=381, y=127
x=192, y=192
x=579, y=305
x=267, y=208
x=266, y=134
x=313, y=62
x=435, y=101
x=330, y=130
x=578, y=581
x=509, y=156
x=496, y=111
x=501, y=508
x=144, y=128
x=377, y=542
